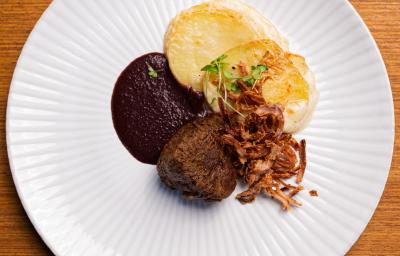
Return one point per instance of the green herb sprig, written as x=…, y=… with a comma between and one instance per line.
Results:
x=216, y=67
x=152, y=72
x=255, y=75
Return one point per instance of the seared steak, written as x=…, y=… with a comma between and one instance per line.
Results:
x=194, y=161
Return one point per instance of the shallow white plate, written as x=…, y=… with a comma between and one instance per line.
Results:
x=87, y=196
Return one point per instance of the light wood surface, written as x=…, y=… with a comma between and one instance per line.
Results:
x=18, y=237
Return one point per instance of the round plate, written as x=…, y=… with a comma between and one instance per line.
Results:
x=86, y=195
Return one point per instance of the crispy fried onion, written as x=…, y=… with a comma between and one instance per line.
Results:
x=264, y=154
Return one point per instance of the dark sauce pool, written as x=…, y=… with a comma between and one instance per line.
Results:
x=147, y=111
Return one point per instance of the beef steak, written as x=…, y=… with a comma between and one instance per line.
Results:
x=195, y=162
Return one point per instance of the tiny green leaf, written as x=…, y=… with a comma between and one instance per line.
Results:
x=233, y=87
x=210, y=68
x=256, y=71
x=228, y=75
x=219, y=59
x=262, y=68
x=216, y=65
x=249, y=80
x=152, y=73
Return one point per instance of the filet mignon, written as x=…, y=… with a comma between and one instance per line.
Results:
x=195, y=162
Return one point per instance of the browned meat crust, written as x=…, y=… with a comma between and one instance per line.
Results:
x=195, y=162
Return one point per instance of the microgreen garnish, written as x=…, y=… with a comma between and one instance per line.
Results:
x=227, y=81
x=210, y=68
x=152, y=72
x=257, y=70
x=256, y=74
x=233, y=87
x=228, y=75
x=216, y=65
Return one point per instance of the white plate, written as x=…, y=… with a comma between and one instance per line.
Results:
x=86, y=195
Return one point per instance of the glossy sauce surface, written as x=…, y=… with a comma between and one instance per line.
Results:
x=148, y=110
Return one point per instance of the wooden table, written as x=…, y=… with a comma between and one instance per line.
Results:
x=18, y=237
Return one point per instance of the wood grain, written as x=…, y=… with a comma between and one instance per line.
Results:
x=18, y=237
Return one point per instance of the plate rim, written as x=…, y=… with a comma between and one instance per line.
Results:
x=17, y=68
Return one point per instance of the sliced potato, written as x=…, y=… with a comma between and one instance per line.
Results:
x=313, y=94
x=300, y=63
x=285, y=84
x=264, y=26
x=202, y=33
